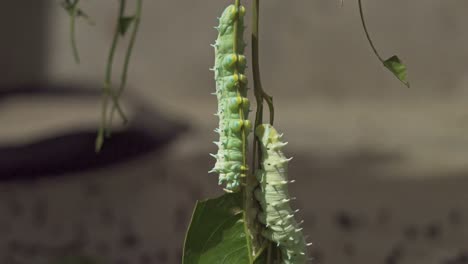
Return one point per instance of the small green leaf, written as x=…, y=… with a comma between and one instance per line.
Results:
x=71, y=7
x=124, y=24
x=217, y=233
x=395, y=65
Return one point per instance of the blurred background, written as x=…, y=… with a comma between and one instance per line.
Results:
x=381, y=169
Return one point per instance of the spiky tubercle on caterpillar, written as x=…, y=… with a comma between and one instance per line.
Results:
x=233, y=105
x=273, y=196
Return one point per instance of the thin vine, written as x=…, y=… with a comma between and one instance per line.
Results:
x=235, y=51
x=260, y=97
x=364, y=26
x=246, y=190
x=73, y=15
x=123, y=23
x=74, y=12
x=106, y=90
x=393, y=63
x=128, y=54
x=260, y=94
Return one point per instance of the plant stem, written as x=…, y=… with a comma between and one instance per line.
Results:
x=256, y=77
x=361, y=14
x=106, y=90
x=128, y=55
x=73, y=15
x=247, y=191
x=260, y=94
x=269, y=253
x=235, y=48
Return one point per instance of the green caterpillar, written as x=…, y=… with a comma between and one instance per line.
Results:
x=233, y=106
x=273, y=196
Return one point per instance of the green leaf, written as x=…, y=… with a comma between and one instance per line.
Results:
x=69, y=6
x=124, y=24
x=217, y=233
x=68, y=3
x=73, y=10
x=395, y=65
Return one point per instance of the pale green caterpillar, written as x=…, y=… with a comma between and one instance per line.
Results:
x=273, y=196
x=233, y=106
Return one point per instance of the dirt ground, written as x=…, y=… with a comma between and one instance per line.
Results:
x=369, y=193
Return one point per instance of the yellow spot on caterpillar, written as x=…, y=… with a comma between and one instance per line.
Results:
x=247, y=125
x=245, y=102
x=233, y=11
x=242, y=60
x=242, y=11
x=238, y=100
x=230, y=60
x=243, y=79
x=236, y=125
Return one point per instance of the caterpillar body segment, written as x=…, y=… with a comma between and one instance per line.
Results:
x=233, y=105
x=273, y=196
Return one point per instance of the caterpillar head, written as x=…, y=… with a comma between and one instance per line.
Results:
x=231, y=13
x=267, y=135
x=271, y=146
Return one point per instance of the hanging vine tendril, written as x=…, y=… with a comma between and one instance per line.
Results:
x=73, y=10
x=107, y=88
x=72, y=31
x=260, y=97
x=260, y=94
x=393, y=64
x=124, y=23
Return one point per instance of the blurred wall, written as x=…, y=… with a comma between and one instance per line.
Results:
x=331, y=93
x=24, y=43
x=308, y=49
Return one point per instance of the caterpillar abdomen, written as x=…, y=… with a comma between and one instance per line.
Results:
x=231, y=92
x=273, y=195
